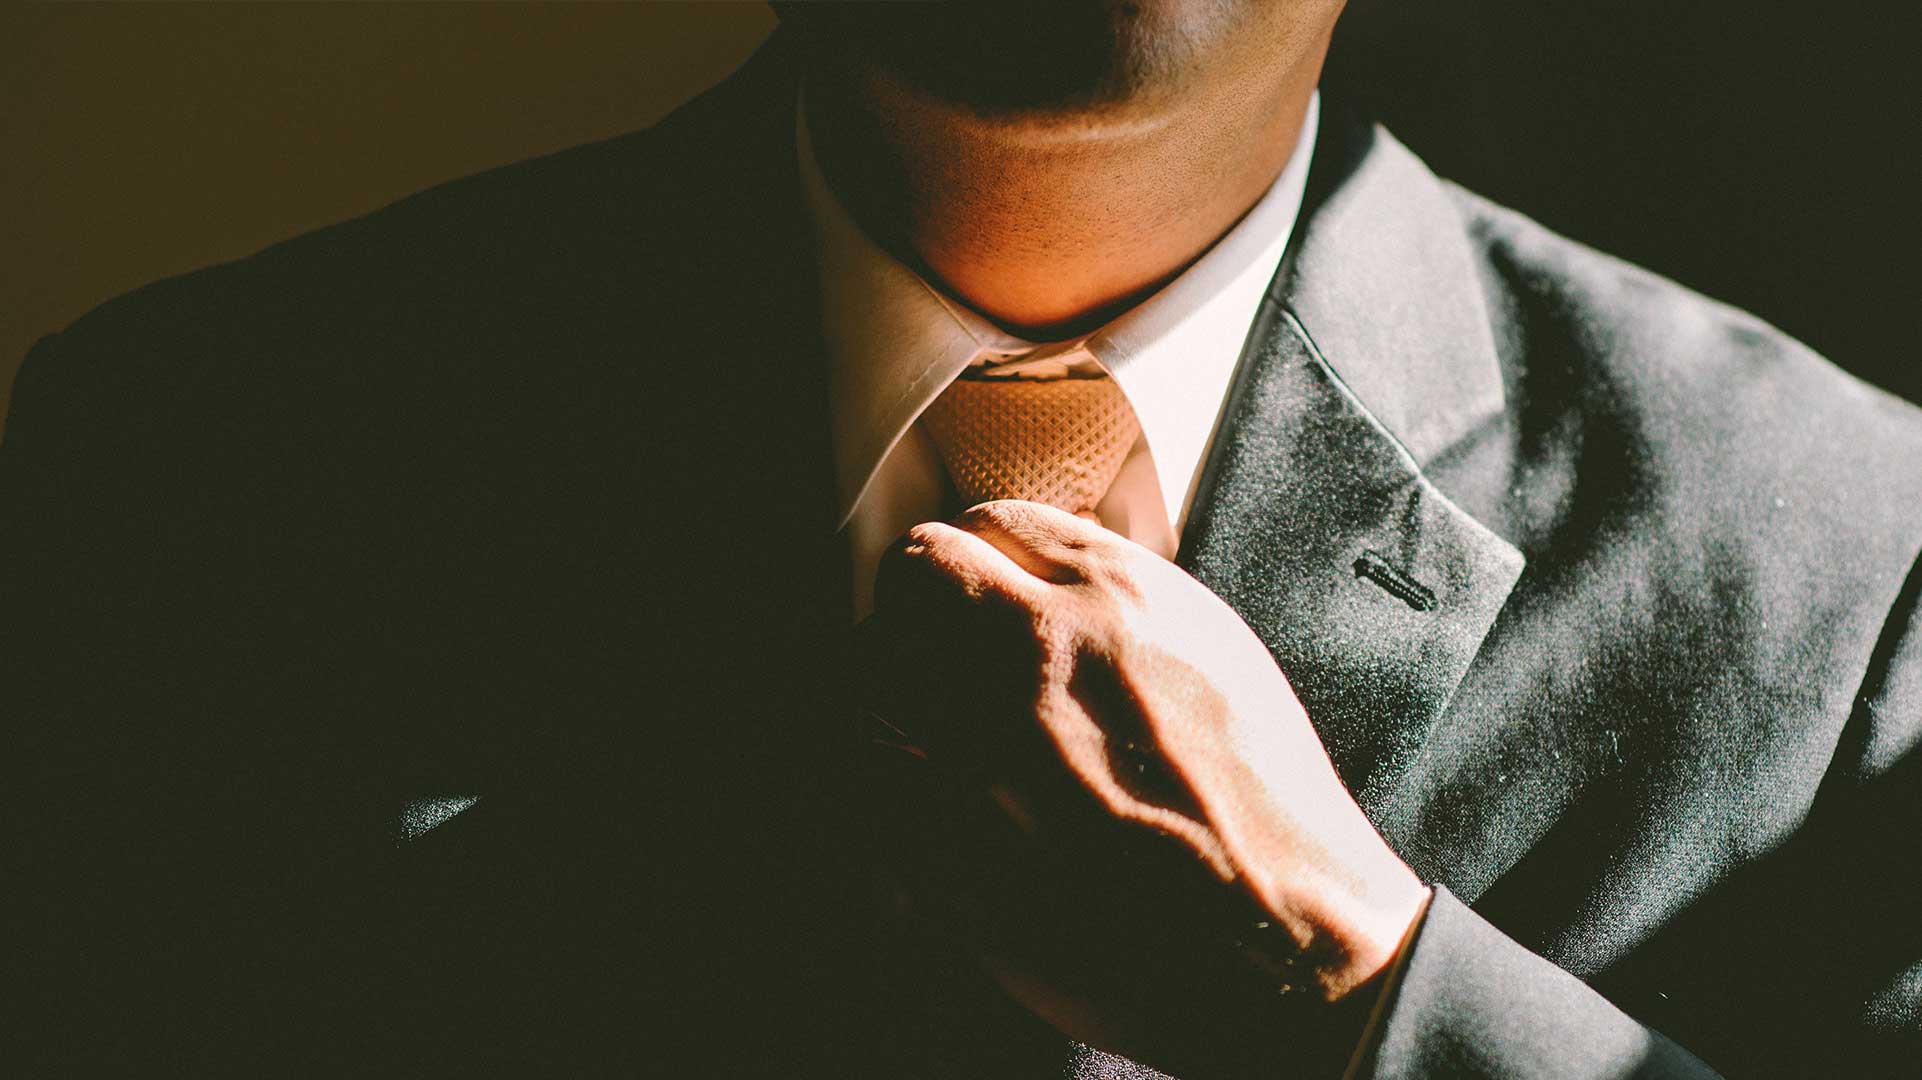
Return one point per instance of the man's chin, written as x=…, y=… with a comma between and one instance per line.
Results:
x=998, y=58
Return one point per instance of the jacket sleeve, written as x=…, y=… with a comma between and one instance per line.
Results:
x=1472, y=1002
x=1806, y=963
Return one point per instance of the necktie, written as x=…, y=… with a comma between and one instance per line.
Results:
x=1054, y=441
x=1058, y=441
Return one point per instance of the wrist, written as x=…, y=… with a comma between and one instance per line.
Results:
x=1345, y=928
x=1312, y=1002
x=1377, y=930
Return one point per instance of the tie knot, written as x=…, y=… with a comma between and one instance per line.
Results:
x=1054, y=441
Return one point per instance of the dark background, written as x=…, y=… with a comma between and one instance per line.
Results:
x=1766, y=154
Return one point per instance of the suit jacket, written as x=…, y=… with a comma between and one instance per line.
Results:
x=1600, y=595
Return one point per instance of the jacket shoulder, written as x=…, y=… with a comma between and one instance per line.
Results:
x=444, y=255
x=1697, y=473
x=1650, y=327
x=1705, y=394
x=476, y=278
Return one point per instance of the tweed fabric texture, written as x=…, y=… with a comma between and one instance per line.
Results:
x=1053, y=441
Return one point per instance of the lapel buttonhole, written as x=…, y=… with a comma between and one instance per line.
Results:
x=1398, y=584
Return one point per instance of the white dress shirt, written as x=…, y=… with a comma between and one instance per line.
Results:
x=894, y=343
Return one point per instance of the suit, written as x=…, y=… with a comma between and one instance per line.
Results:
x=422, y=662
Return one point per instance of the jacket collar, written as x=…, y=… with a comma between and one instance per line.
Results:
x=1385, y=287
x=1372, y=356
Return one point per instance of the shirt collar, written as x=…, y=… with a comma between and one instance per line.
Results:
x=894, y=342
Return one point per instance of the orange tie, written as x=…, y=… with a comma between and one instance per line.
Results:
x=1054, y=441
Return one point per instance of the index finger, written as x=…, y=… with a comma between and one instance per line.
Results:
x=936, y=556
x=1049, y=543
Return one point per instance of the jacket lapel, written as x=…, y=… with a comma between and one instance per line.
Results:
x=1371, y=355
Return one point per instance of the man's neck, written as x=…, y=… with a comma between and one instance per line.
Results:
x=1052, y=226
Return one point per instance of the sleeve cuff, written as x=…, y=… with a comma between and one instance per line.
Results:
x=1469, y=1001
x=1386, y=993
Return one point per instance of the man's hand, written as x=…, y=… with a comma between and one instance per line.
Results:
x=1128, y=814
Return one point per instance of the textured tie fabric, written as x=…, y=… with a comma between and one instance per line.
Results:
x=1054, y=441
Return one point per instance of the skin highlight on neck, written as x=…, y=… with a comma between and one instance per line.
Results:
x=1052, y=222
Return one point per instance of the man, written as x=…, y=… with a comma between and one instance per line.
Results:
x=431, y=634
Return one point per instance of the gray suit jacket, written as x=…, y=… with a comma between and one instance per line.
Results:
x=1600, y=595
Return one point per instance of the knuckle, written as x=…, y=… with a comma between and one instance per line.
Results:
x=1109, y=567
